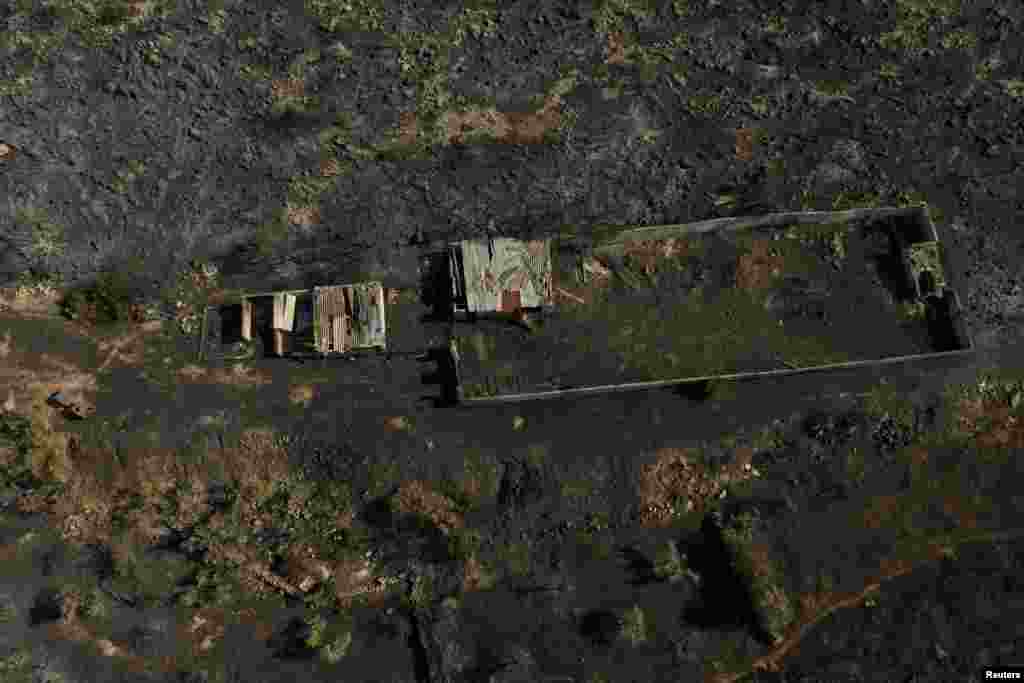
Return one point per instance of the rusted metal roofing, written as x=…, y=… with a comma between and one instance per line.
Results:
x=349, y=317
x=504, y=274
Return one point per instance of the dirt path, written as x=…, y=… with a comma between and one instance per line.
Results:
x=774, y=659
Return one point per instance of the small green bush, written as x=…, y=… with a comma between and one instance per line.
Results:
x=108, y=300
x=668, y=562
x=334, y=651
x=463, y=543
x=634, y=625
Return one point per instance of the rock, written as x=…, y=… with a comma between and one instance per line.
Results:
x=519, y=667
x=522, y=484
x=446, y=645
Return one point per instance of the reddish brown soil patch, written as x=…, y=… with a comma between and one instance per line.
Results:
x=329, y=168
x=677, y=484
x=745, y=144
x=517, y=128
x=287, y=87
x=303, y=216
x=415, y=498
x=649, y=254
x=616, y=48
x=756, y=270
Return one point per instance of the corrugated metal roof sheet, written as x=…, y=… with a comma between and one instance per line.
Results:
x=355, y=313
x=505, y=272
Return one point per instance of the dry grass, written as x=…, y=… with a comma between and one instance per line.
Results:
x=676, y=483
x=94, y=487
x=991, y=422
x=415, y=497
x=256, y=463
x=30, y=302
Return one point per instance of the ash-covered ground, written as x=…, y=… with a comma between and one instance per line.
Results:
x=266, y=520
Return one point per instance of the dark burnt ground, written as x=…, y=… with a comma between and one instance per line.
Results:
x=190, y=137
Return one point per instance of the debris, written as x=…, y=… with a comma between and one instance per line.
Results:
x=398, y=423
x=518, y=422
x=570, y=295
x=71, y=410
x=595, y=268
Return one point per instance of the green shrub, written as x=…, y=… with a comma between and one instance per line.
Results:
x=634, y=625
x=751, y=561
x=463, y=543
x=334, y=651
x=668, y=562
x=108, y=300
